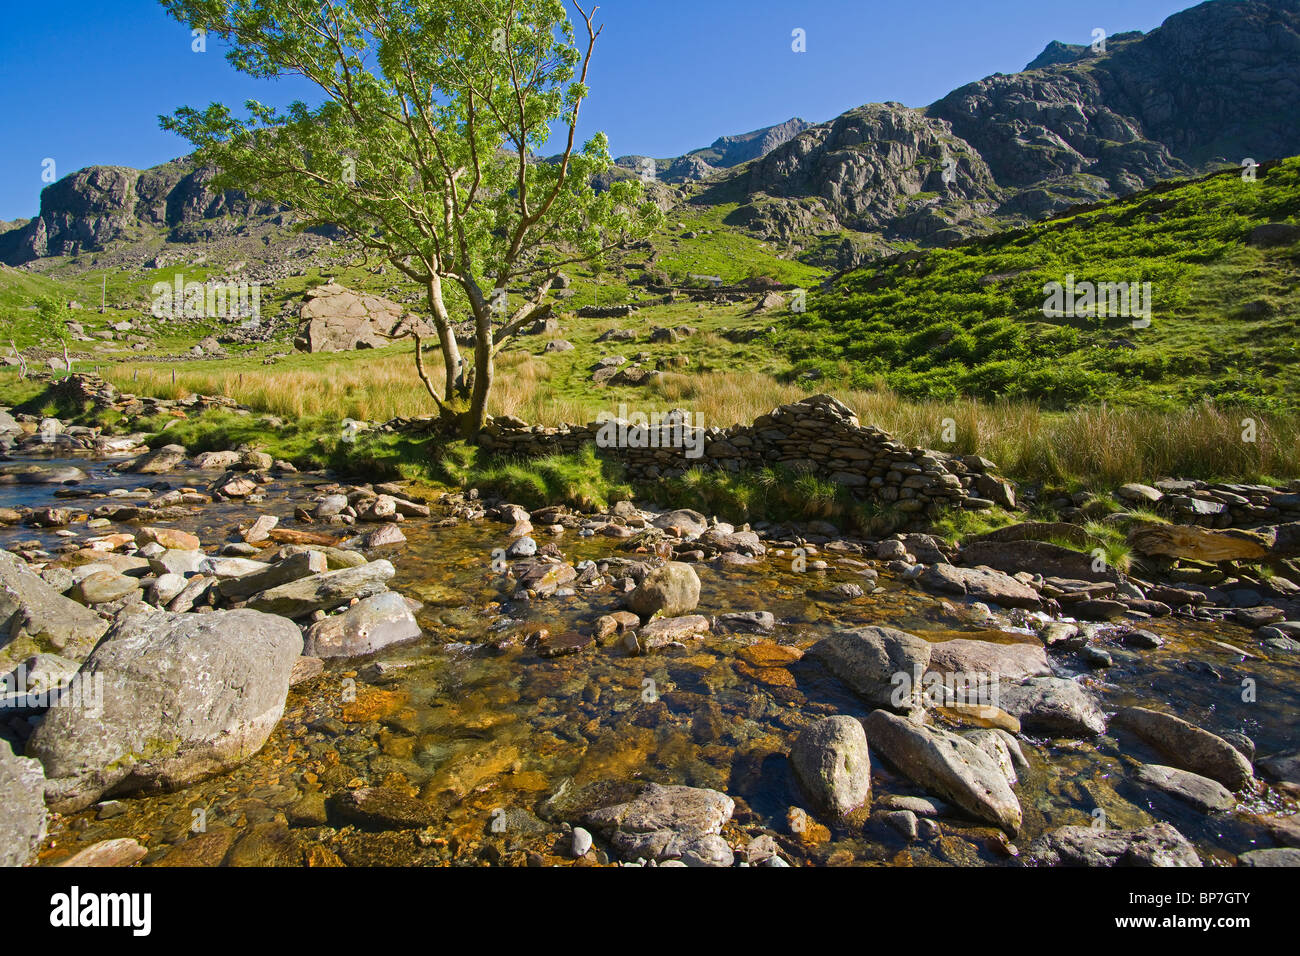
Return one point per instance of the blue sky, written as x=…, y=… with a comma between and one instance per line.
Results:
x=82, y=82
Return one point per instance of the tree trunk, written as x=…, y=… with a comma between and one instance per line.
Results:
x=484, y=367
x=452, y=363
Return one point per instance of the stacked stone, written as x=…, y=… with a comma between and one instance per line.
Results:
x=1218, y=505
x=819, y=435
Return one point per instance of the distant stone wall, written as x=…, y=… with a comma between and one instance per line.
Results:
x=819, y=434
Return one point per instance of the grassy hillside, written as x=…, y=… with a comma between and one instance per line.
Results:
x=967, y=320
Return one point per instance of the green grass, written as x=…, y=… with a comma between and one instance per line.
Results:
x=1226, y=323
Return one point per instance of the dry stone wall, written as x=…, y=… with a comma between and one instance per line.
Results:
x=819, y=435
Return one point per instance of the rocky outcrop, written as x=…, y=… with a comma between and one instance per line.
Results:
x=99, y=204
x=165, y=700
x=1211, y=85
x=336, y=319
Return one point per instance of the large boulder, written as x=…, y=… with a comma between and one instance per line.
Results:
x=831, y=760
x=165, y=700
x=333, y=318
x=947, y=765
x=671, y=590
x=884, y=666
x=35, y=618
x=1158, y=845
x=23, y=820
x=1188, y=747
x=368, y=626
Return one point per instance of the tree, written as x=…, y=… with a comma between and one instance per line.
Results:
x=51, y=327
x=9, y=330
x=423, y=151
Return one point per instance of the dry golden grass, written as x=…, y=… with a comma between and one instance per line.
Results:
x=1100, y=446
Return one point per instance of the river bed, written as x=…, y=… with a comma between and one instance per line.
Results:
x=499, y=740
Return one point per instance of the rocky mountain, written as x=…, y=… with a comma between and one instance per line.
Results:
x=1213, y=85
x=103, y=204
x=724, y=153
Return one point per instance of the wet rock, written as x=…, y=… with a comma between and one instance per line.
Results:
x=1009, y=661
x=321, y=592
x=682, y=523
x=869, y=660
x=524, y=547
x=542, y=575
x=293, y=568
x=1052, y=706
x=305, y=668
x=1189, y=747
x=581, y=844
x=946, y=764
x=41, y=474
x=607, y=625
x=383, y=808
x=1283, y=768
x=120, y=852
x=183, y=697
x=671, y=590
x=745, y=622
x=668, y=630
x=23, y=821
x=36, y=618
x=564, y=644
x=368, y=626
x=165, y=459
x=669, y=823
x=1204, y=794
x=979, y=584
x=1142, y=639
x=832, y=764
x=1154, y=846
